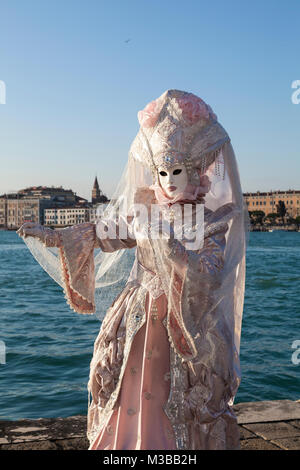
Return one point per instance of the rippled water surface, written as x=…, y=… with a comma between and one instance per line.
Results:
x=49, y=346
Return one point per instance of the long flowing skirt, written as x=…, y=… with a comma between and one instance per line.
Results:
x=139, y=421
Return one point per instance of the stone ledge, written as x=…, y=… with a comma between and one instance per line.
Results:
x=44, y=434
x=266, y=425
x=267, y=411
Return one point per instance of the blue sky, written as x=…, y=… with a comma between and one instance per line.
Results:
x=74, y=86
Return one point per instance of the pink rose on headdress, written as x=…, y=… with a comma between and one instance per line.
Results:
x=149, y=115
x=194, y=108
x=205, y=183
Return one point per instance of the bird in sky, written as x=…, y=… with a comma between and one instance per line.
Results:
x=127, y=40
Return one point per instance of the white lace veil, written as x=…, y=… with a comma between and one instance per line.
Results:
x=180, y=126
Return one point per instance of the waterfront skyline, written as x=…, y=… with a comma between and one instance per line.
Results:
x=74, y=85
x=89, y=197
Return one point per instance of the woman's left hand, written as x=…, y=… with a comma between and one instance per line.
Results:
x=30, y=229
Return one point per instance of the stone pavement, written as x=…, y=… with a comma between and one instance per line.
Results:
x=265, y=425
x=269, y=425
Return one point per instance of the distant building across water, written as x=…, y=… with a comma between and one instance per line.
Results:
x=267, y=201
x=54, y=206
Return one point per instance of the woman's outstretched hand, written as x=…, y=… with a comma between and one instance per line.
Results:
x=31, y=229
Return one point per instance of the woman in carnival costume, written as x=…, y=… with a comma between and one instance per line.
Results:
x=165, y=368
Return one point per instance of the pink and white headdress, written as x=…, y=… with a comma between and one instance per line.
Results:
x=179, y=127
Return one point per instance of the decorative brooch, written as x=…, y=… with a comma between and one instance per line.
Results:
x=169, y=159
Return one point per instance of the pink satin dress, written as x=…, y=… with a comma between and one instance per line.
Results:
x=139, y=422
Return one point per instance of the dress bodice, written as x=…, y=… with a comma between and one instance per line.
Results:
x=144, y=255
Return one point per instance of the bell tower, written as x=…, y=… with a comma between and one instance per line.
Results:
x=96, y=193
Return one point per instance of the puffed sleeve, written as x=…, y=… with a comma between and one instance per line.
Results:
x=76, y=249
x=209, y=259
x=76, y=246
x=198, y=274
x=50, y=238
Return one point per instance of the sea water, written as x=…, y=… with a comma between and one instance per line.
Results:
x=46, y=347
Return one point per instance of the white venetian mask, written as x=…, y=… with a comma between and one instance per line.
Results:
x=173, y=180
